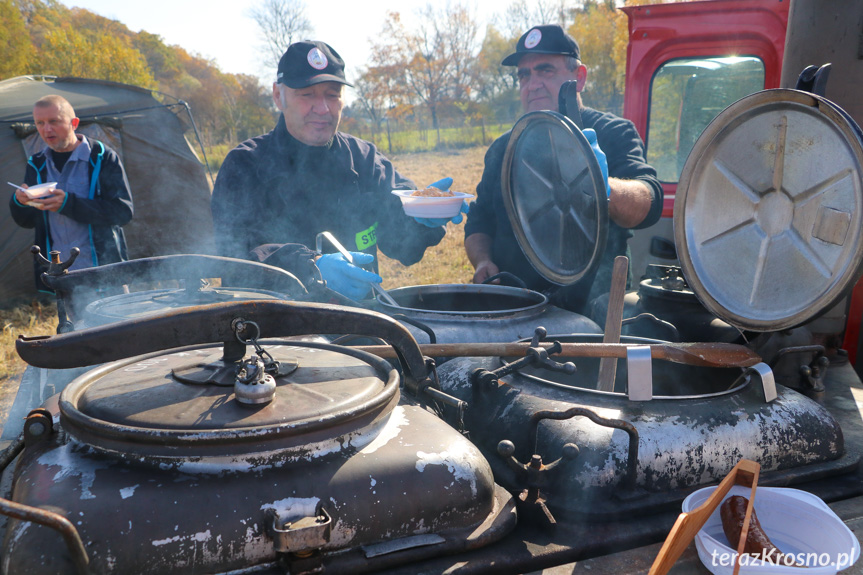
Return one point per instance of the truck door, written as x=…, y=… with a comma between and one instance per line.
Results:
x=686, y=62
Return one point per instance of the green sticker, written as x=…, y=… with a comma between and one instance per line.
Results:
x=367, y=238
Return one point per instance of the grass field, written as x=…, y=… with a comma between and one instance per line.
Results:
x=445, y=263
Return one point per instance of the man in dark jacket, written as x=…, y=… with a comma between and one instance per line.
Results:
x=305, y=177
x=90, y=200
x=546, y=58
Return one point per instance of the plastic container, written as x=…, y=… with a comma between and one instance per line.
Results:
x=431, y=207
x=40, y=190
x=797, y=522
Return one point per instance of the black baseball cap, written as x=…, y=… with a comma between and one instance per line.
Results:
x=547, y=39
x=310, y=62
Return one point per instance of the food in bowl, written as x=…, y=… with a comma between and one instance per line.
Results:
x=432, y=192
x=758, y=544
x=431, y=206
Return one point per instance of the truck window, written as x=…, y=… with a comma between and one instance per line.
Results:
x=685, y=95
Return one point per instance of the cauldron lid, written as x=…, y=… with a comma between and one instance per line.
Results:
x=555, y=197
x=138, y=405
x=768, y=215
x=145, y=303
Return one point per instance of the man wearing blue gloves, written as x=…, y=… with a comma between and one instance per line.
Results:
x=547, y=57
x=276, y=192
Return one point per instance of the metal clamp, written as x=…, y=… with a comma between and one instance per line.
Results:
x=305, y=534
x=639, y=367
x=534, y=355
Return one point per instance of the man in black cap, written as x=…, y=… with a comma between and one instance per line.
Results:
x=305, y=177
x=547, y=57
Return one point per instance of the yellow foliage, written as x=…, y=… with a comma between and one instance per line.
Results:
x=68, y=52
x=14, y=42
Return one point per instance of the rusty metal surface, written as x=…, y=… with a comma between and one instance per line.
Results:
x=414, y=476
x=683, y=441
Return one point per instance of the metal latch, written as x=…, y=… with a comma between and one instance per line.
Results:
x=305, y=534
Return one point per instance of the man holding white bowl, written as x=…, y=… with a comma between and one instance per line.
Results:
x=90, y=199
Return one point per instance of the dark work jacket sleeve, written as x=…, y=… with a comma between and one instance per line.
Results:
x=234, y=227
x=399, y=236
x=25, y=216
x=481, y=218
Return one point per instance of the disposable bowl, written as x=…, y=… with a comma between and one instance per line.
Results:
x=431, y=207
x=40, y=190
x=797, y=522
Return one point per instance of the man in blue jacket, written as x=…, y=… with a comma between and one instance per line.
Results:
x=306, y=177
x=91, y=199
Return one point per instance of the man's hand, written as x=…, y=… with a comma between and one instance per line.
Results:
x=50, y=203
x=484, y=271
x=346, y=278
x=590, y=134
x=438, y=222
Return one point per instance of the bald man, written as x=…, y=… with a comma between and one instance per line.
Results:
x=91, y=199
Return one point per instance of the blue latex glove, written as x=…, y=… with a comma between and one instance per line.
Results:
x=590, y=134
x=443, y=184
x=346, y=278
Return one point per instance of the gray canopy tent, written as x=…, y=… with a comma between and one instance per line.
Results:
x=169, y=182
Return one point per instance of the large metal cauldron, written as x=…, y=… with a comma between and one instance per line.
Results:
x=632, y=456
x=461, y=313
x=162, y=464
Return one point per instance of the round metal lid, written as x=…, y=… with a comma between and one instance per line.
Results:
x=767, y=217
x=144, y=303
x=555, y=197
x=137, y=406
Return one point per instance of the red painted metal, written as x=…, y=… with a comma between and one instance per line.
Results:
x=663, y=32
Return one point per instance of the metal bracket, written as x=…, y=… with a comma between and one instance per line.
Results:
x=305, y=534
x=768, y=383
x=639, y=366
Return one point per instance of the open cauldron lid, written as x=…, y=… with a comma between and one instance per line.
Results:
x=768, y=214
x=555, y=197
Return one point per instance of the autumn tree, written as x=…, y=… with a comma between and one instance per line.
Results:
x=521, y=15
x=15, y=43
x=281, y=22
x=601, y=31
x=495, y=84
x=436, y=61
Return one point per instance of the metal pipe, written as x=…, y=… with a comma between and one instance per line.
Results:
x=53, y=521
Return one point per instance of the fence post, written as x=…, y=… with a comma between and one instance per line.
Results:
x=389, y=138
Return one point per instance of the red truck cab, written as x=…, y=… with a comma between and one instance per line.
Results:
x=687, y=61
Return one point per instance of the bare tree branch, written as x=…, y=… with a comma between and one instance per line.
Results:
x=281, y=22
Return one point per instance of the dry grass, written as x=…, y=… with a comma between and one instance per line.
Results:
x=37, y=317
x=444, y=263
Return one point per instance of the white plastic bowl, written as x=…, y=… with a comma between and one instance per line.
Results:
x=797, y=522
x=40, y=190
x=430, y=207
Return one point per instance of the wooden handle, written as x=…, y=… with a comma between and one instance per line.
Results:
x=613, y=322
x=708, y=354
